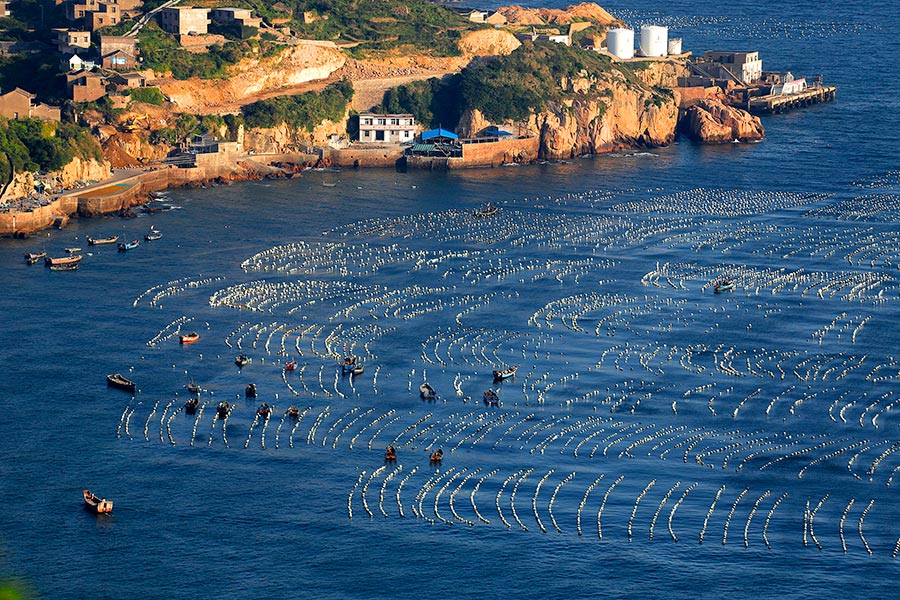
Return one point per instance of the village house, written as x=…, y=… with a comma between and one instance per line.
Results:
x=118, y=52
x=547, y=35
x=243, y=16
x=386, y=128
x=476, y=16
x=85, y=86
x=19, y=104
x=69, y=41
x=286, y=11
x=4, y=9
x=183, y=20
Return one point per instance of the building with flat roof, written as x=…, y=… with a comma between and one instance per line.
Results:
x=386, y=128
x=19, y=104
x=745, y=66
x=184, y=20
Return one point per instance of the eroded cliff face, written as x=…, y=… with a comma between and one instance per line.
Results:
x=306, y=62
x=77, y=170
x=285, y=139
x=711, y=122
x=599, y=116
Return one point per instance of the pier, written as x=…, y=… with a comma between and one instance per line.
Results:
x=779, y=103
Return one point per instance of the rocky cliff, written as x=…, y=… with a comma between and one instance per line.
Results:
x=78, y=170
x=710, y=121
x=597, y=116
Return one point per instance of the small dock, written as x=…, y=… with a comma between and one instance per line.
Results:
x=776, y=103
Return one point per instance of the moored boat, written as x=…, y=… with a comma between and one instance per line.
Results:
x=193, y=388
x=222, y=409
x=264, y=410
x=126, y=246
x=242, y=360
x=390, y=453
x=95, y=504
x=152, y=235
x=33, y=257
x=501, y=374
x=291, y=366
x=491, y=398
x=250, y=390
x=65, y=267
x=190, y=407
x=294, y=412
x=189, y=338
x=426, y=391
x=73, y=250
x=116, y=380
x=357, y=369
x=486, y=210
x=348, y=364
x=100, y=241
x=437, y=456
x=63, y=260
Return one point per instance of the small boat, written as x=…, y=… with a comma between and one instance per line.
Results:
x=486, y=210
x=390, y=453
x=65, y=267
x=189, y=338
x=242, y=360
x=264, y=410
x=426, y=391
x=723, y=285
x=501, y=374
x=491, y=398
x=100, y=241
x=33, y=257
x=126, y=246
x=349, y=364
x=152, y=236
x=250, y=390
x=294, y=412
x=73, y=250
x=291, y=366
x=118, y=381
x=223, y=409
x=64, y=260
x=190, y=407
x=95, y=504
x=437, y=456
x=193, y=388
x=357, y=369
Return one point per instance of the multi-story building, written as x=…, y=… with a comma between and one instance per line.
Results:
x=745, y=66
x=386, y=128
x=183, y=20
x=19, y=104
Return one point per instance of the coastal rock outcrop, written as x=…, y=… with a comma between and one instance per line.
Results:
x=711, y=121
x=601, y=117
x=585, y=11
x=78, y=170
x=488, y=42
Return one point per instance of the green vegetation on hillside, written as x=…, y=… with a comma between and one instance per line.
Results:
x=508, y=88
x=33, y=145
x=301, y=111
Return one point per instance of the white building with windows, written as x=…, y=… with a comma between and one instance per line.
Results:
x=386, y=129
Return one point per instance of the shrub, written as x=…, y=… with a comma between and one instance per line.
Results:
x=301, y=111
x=148, y=95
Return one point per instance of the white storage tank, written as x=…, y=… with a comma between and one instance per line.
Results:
x=674, y=46
x=620, y=42
x=654, y=40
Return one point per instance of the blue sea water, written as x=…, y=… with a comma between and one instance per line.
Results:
x=759, y=421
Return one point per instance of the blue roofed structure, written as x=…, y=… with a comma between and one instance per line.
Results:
x=438, y=133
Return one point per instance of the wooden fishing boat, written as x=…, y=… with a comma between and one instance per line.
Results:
x=65, y=267
x=63, y=260
x=264, y=410
x=100, y=241
x=33, y=257
x=152, y=236
x=294, y=412
x=116, y=380
x=95, y=504
x=189, y=338
x=426, y=391
x=491, y=398
x=486, y=210
x=242, y=360
x=348, y=364
x=73, y=250
x=193, y=388
x=222, y=409
x=291, y=366
x=250, y=390
x=190, y=407
x=126, y=246
x=501, y=374
x=437, y=456
x=357, y=369
x=723, y=285
x=390, y=453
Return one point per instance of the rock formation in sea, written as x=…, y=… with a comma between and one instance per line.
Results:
x=711, y=121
